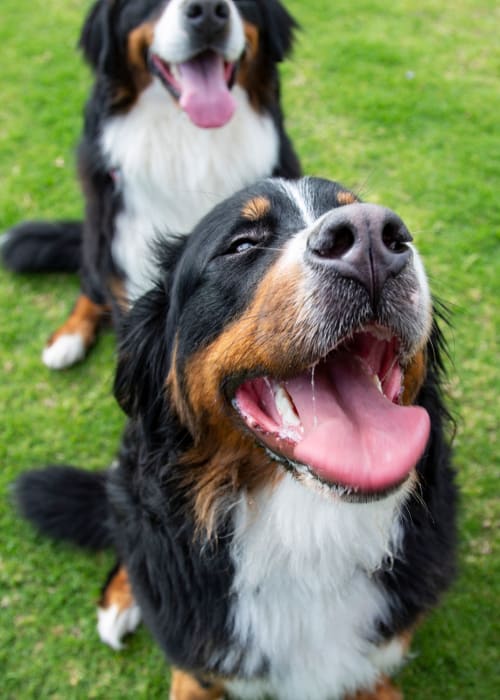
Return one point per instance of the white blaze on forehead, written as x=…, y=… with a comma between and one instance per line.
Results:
x=172, y=41
x=298, y=192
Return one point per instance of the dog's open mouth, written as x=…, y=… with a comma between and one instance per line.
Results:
x=202, y=85
x=341, y=418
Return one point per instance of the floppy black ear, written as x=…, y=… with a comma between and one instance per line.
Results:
x=144, y=341
x=96, y=38
x=143, y=356
x=278, y=28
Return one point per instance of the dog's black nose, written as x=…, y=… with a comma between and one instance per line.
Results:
x=207, y=17
x=363, y=242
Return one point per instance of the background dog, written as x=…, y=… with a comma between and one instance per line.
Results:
x=185, y=110
x=284, y=505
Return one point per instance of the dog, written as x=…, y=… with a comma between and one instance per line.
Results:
x=284, y=504
x=184, y=111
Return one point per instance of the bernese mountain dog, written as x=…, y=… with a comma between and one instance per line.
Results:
x=184, y=111
x=284, y=505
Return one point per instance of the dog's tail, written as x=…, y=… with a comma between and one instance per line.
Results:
x=38, y=246
x=65, y=503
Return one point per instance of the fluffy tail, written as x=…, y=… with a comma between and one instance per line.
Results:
x=37, y=246
x=65, y=503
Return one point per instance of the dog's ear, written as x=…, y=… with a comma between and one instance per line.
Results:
x=143, y=355
x=278, y=27
x=143, y=340
x=96, y=38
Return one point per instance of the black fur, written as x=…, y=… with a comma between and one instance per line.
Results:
x=154, y=534
x=84, y=518
x=34, y=246
x=182, y=578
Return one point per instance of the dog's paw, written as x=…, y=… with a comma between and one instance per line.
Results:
x=64, y=351
x=113, y=623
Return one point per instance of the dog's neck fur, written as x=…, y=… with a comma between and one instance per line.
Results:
x=172, y=173
x=306, y=599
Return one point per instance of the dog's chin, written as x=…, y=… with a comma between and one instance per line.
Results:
x=201, y=85
x=307, y=478
x=338, y=426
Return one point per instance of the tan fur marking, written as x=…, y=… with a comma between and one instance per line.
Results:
x=252, y=72
x=384, y=690
x=118, y=592
x=223, y=470
x=224, y=459
x=252, y=37
x=344, y=198
x=256, y=208
x=84, y=321
x=264, y=337
x=414, y=378
x=186, y=687
x=118, y=292
x=406, y=640
x=173, y=387
x=139, y=40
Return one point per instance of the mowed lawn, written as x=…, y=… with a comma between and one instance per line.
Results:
x=400, y=101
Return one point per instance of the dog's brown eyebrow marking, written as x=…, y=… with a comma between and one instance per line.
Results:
x=345, y=197
x=256, y=208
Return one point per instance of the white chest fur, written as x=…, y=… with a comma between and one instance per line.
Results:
x=306, y=602
x=171, y=173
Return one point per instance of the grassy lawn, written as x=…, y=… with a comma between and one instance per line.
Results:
x=400, y=101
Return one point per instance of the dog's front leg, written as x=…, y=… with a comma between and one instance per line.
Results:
x=117, y=614
x=71, y=342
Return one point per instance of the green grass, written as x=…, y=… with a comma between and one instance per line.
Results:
x=400, y=101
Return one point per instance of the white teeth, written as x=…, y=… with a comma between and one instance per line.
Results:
x=285, y=406
x=377, y=383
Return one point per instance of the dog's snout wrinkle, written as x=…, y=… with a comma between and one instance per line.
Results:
x=364, y=242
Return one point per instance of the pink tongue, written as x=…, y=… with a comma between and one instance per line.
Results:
x=205, y=95
x=353, y=435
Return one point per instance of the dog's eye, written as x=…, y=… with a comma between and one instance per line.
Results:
x=241, y=245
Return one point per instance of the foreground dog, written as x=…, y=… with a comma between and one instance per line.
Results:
x=184, y=111
x=284, y=504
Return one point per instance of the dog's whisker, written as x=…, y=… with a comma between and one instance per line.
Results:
x=313, y=396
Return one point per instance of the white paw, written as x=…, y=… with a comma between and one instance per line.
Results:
x=64, y=351
x=113, y=624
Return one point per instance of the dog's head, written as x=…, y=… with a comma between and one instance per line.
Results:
x=197, y=49
x=290, y=333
